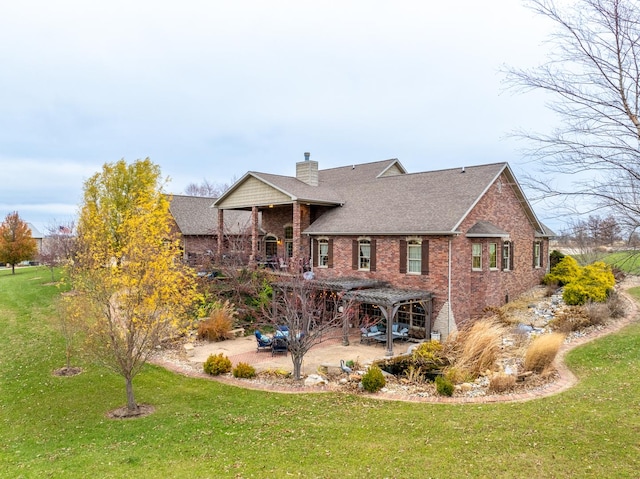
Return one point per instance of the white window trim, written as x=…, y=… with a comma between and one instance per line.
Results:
x=506, y=267
x=496, y=267
x=415, y=242
x=537, y=249
x=360, y=268
x=323, y=241
x=473, y=245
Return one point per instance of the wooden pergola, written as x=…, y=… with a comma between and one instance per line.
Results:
x=378, y=293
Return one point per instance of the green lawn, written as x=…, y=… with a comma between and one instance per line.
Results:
x=627, y=261
x=57, y=427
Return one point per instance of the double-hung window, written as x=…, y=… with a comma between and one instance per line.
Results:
x=364, y=254
x=493, y=256
x=414, y=257
x=476, y=257
x=506, y=256
x=537, y=254
x=288, y=241
x=323, y=253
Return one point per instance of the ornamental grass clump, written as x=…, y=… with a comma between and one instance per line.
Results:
x=218, y=325
x=542, y=351
x=217, y=364
x=475, y=349
x=501, y=382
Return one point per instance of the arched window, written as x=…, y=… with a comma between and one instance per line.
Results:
x=270, y=246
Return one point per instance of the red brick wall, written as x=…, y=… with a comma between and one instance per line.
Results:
x=471, y=291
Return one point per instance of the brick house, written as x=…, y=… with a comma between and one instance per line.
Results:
x=195, y=219
x=429, y=249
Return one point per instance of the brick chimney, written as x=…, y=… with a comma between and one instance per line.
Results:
x=307, y=170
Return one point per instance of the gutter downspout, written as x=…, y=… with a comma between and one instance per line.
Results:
x=449, y=291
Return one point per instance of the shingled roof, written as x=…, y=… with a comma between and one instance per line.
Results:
x=380, y=198
x=196, y=216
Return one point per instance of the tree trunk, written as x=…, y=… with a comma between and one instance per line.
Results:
x=13, y=268
x=132, y=407
x=297, y=365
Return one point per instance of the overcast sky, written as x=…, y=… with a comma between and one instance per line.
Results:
x=213, y=89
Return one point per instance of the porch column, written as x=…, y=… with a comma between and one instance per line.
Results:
x=346, y=317
x=220, y=234
x=254, y=233
x=296, y=236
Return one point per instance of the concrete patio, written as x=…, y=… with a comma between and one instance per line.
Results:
x=328, y=352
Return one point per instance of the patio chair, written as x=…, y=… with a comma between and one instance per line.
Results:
x=279, y=345
x=264, y=342
x=398, y=333
x=369, y=334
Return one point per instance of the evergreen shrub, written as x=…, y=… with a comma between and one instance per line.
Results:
x=217, y=364
x=373, y=380
x=244, y=370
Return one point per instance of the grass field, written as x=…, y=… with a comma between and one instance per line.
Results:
x=56, y=427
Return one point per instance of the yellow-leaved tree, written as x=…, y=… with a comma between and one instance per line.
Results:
x=127, y=271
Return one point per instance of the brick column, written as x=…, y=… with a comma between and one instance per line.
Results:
x=254, y=233
x=220, y=234
x=296, y=234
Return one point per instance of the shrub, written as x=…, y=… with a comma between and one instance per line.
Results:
x=501, y=382
x=373, y=380
x=555, y=257
x=566, y=271
x=428, y=355
x=457, y=376
x=217, y=364
x=569, y=320
x=244, y=370
x=444, y=387
x=596, y=313
x=219, y=324
x=616, y=305
x=475, y=349
x=594, y=283
x=542, y=351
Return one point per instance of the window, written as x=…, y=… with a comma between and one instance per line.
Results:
x=414, y=257
x=270, y=246
x=323, y=253
x=506, y=256
x=493, y=256
x=288, y=241
x=537, y=255
x=412, y=314
x=364, y=254
x=476, y=257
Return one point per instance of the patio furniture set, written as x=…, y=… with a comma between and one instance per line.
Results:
x=379, y=334
x=278, y=343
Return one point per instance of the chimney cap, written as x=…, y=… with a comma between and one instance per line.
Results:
x=306, y=156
